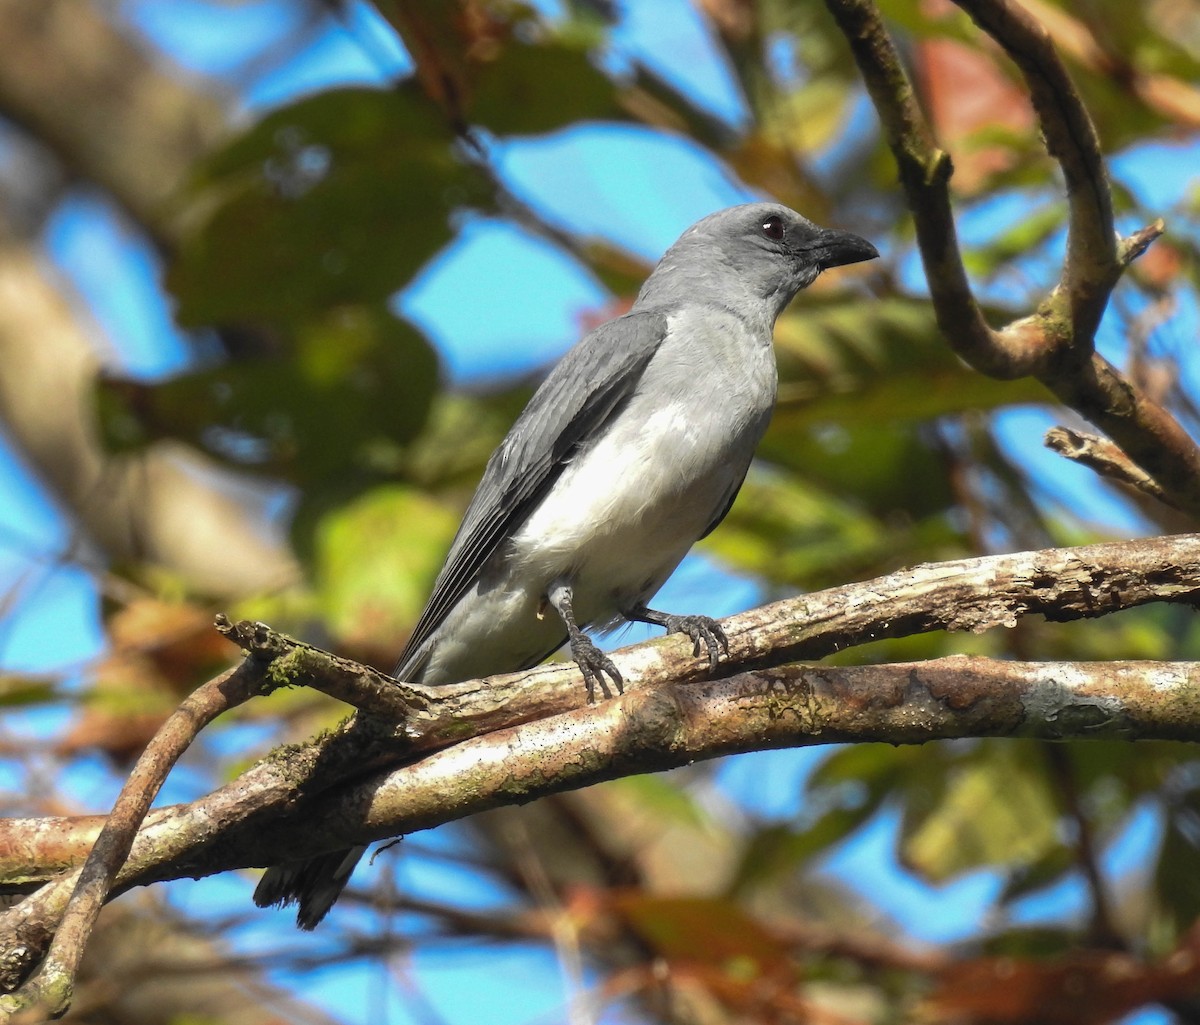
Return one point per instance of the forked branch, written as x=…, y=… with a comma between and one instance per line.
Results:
x=1055, y=343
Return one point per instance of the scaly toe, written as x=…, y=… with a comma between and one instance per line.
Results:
x=702, y=629
x=594, y=665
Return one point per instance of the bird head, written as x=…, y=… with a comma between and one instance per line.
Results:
x=757, y=253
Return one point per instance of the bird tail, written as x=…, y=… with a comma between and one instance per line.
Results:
x=312, y=885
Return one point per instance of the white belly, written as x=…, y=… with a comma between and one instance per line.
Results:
x=622, y=517
x=615, y=525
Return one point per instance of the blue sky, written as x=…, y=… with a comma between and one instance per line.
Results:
x=641, y=188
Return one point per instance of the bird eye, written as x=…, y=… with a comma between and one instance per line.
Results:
x=772, y=228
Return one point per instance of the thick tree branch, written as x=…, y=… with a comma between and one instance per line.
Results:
x=967, y=594
x=654, y=729
x=525, y=735
x=651, y=729
x=1055, y=343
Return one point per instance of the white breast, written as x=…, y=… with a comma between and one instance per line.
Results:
x=624, y=513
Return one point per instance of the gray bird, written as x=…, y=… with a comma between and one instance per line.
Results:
x=632, y=449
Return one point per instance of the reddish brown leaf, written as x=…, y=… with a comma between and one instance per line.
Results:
x=1159, y=266
x=178, y=640
x=734, y=19
x=701, y=929
x=1089, y=987
x=442, y=38
x=965, y=91
x=160, y=652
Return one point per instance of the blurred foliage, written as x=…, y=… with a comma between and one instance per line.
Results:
x=290, y=241
x=295, y=184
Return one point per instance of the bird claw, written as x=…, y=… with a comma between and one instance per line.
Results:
x=594, y=664
x=701, y=629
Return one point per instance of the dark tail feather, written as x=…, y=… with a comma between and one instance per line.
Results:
x=311, y=885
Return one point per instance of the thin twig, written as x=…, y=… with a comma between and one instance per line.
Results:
x=292, y=664
x=50, y=990
x=924, y=173
x=1093, y=265
x=1103, y=925
x=1105, y=458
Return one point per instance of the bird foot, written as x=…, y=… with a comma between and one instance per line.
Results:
x=701, y=629
x=594, y=664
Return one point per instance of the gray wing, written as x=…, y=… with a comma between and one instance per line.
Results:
x=573, y=406
x=728, y=504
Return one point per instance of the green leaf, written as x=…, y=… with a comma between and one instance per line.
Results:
x=866, y=765
x=18, y=691
x=1033, y=942
x=994, y=809
x=375, y=560
x=810, y=118
x=703, y=930
x=779, y=850
x=1176, y=882
x=842, y=794
x=339, y=198
x=334, y=404
x=660, y=797
x=1022, y=240
x=786, y=530
x=809, y=529
x=845, y=361
x=537, y=88
x=884, y=466
x=858, y=383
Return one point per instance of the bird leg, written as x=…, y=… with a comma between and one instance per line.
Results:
x=593, y=663
x=698, y=628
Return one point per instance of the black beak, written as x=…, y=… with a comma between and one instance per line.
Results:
x=837, y=248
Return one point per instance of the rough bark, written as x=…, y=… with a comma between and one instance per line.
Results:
x=508, y=740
